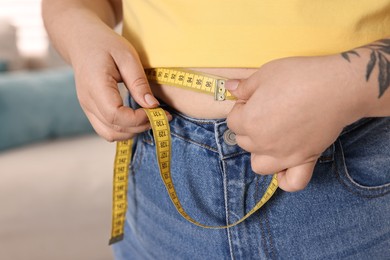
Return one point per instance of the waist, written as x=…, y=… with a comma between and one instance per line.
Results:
x=199, y=105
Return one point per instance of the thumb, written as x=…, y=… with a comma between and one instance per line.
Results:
x=296, y=178
x=240, y=88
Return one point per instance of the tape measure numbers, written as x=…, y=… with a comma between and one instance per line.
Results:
x=119, y=191
x=161, y=133
x=191, y=80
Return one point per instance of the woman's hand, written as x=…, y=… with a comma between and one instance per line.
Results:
x=82, y=33
x=290, y=111
x=107, y=60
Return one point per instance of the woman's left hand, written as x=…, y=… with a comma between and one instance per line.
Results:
x=290, y=111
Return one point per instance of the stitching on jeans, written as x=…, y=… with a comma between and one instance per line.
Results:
x=362, y=122
x=255, y=197
x=337, y=174
x=266, y=229
x=235, y=154
x=197, y=121
x=262, y=229
x=347, y=187
x=196, y=143
x=225, y=191
x=263, y=239
x=257, y=187
x=150, y=140
x=379, y=187
x=270, y=238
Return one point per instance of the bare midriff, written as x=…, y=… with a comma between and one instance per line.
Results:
x=199, y=105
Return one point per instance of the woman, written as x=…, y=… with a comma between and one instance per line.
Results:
x=307, y=95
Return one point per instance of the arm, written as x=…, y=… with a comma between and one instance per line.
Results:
x=81, y=30
x=303, y=103
x=372, y=62
x=68, y=21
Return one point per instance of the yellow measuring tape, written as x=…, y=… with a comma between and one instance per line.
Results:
x=161, y=132
x=193, y=80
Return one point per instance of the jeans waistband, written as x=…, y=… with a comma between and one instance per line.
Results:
x=211, y=133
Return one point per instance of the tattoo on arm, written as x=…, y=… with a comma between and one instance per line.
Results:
x=379, y=57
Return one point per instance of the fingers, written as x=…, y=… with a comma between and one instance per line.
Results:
x=110, y=60
x=133, y=75
x=116, y=133
x=290, y=179
x=110, y=106
x=246, y=143
x=264, y=164
x=296, y=178
x=121, y=131
x=236, y=118
x=241, y=89
x=101, y=100
x=107, y=114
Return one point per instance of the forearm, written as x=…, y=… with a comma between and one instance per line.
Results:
x=371, y=64
x=69, y=22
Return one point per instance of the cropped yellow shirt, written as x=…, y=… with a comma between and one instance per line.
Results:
x=249, y=33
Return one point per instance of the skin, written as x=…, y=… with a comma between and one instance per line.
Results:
x=301, y=105
x=288, y=111
x=81, y=30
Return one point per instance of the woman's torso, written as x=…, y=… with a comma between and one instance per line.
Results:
x=246, y=34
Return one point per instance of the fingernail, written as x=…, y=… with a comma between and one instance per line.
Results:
x=232, y=84
x=152, y=101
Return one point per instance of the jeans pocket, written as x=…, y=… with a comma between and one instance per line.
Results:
x=365, y=173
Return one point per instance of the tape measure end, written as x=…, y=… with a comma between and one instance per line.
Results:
x=116, y=239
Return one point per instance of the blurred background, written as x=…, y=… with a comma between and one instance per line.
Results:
x=55, y=172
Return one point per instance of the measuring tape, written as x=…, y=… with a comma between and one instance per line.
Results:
x=191, y=80
x=161, y=132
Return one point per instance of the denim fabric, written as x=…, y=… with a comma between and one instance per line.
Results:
x=344, y=213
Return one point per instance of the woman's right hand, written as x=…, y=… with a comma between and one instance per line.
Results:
x=102, y=60
x=82, y=32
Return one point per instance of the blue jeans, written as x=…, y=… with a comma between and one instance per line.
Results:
x=344, y=213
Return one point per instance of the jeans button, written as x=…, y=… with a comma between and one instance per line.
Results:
x=229, y=137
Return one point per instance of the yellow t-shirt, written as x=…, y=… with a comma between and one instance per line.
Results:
x=249, y=33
